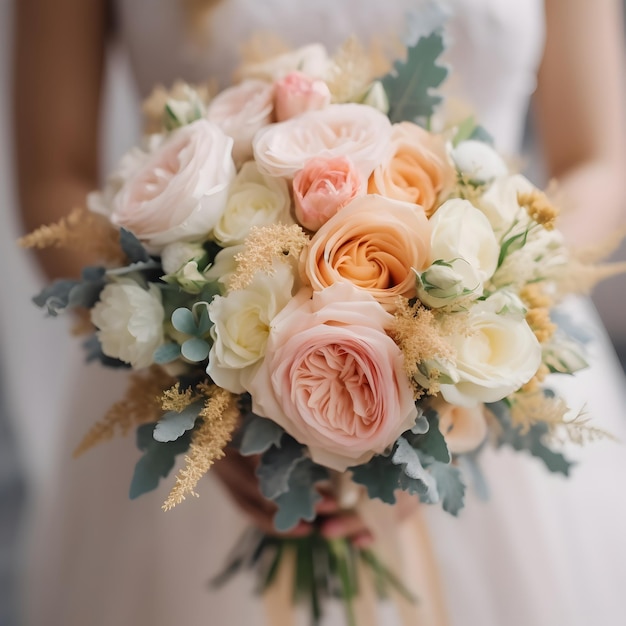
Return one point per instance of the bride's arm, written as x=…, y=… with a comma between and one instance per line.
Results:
x=58, y=68
x=581, y=110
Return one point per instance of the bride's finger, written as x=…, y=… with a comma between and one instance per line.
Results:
x=344, y=525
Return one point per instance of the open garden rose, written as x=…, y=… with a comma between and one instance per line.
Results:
x=179, y=192
x=129, y=320
x=373, y=243
x=323, y=187
x=499, y=355
x=417, y=169
x=332, y=377
x=241, y=111
x=296, y=93
x=354, y=130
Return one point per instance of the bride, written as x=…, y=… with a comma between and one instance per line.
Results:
x=543, y=551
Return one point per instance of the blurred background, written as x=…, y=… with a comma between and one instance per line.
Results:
x=29, y=341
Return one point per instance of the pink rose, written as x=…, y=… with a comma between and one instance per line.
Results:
x=179, y=191
x=373, y=243
x=357, y=131
x=241, y=111
x=333, y=379
x=464, y=428
x=296, y=93
x=322, y=187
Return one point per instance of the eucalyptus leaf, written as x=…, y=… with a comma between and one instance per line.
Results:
x=195, y=349
x=93, y=349
x=276, y=466
x=132, y=247
x=184, y=322
x=409, y=87
x=55, y=297
x=138, y=266
x=166, y=353
x=298, y=502
x=174, y=424
x=259, y=435
x=157, y=461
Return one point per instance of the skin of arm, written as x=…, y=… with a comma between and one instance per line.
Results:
x=581, y=112
x=58, y=71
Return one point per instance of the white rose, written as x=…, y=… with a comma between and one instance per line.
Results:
x=179, y=192
x=478, y=161
x=241, y=326
x=499, y=203
x=241, y=111
x=254, y=200
x=129, y=321
x=497, y=357
x=357, y=131
x=460, y=230
x=311, y=60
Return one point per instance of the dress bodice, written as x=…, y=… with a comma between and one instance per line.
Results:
x=495, y=45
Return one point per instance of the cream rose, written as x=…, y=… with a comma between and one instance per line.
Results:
x=241, y=111
x=312, y=60
x=241, y=326
x=323, y=187
x=296, y=93
x=373, y=243
x=498, y=356
x=464, y=428
x=129, y=320
x=353, y=130
x=179, y=192
x=478, y=161
x=417, y=169
x=333, y=379
x=254, y=200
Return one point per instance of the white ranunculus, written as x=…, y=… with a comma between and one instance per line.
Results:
x=357, y=131
x=478, y=161
x=241, y=326
x=129, y=319
x=499, y=203
x=241, y=111
x=497, y=357
x=312, y=60
x=254, y=200
x=460, y=230
x=179, y=191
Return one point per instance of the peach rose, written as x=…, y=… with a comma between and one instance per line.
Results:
x=374, y=243
x=322, y=187
x=297, y=93
x=241, y=111
x=333, y=379
x=177, y=193
x=464, y=428
x=353, y=130
x=418, y=169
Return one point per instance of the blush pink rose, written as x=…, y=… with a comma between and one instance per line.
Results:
x=332, y=377
x=296, y=93
x=463, y=428
x=241, y=111
x=357, y=131
x=373, y=243
x=324, y=186
x=179, y=191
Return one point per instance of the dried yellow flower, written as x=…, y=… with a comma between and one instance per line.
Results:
x=539, y=208
x=220, y=417
x=538, y=319
x=173, y=399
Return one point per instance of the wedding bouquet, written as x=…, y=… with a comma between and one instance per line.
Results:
x=316, y=267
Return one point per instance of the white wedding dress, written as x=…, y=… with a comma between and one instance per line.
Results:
x=543, y=551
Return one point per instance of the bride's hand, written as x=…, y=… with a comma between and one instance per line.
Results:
x=237, y=474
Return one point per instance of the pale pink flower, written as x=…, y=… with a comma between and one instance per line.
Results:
x=324, y=186
x=332, y=377
x=464, y=428
x=296, y=93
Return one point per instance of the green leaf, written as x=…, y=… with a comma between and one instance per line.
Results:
x=512, y=244
x=432, y=442
x=464, y=130
x=380, y=477
x=174, y=424
x=166, y=353
x=530, y=441
x=421, y=482
x=157, y=461
x=450, y=485
x=93, y=349
x=132, y=247
x=480, y=133
x=421, y=425
x=276, y=466
x=409, y=87
x=298, y=502
x=259, y=435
